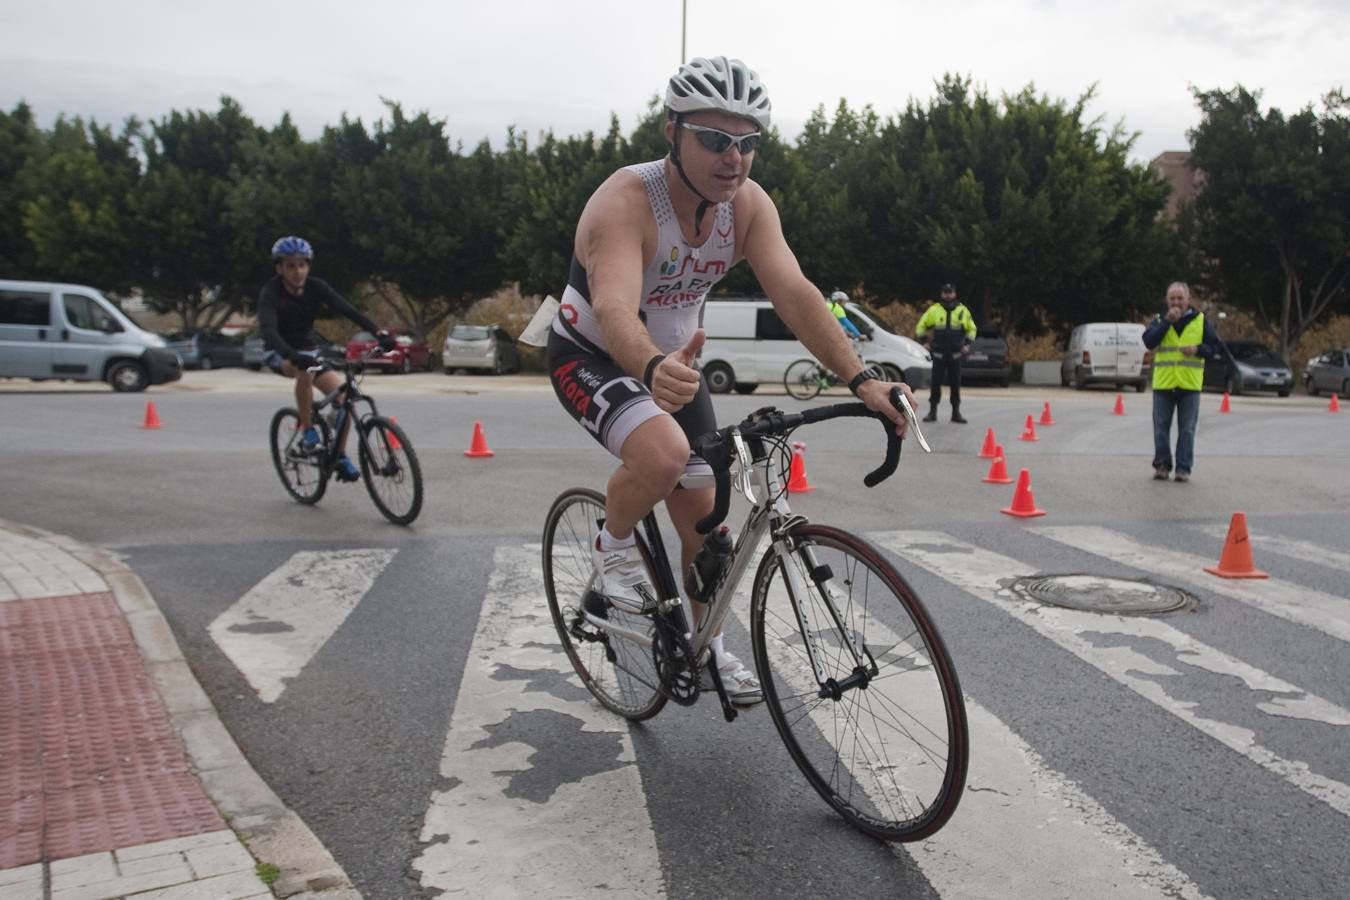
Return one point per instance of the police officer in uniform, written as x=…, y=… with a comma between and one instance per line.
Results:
x=946, y=329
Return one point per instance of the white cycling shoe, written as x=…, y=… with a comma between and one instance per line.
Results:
x=741, y=685
x=622, y=578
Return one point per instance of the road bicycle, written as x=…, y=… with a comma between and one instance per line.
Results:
x=389, y=465
x=806, y=378
x=855, y=675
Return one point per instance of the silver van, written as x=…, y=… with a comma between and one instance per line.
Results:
x=748, y=345
x=70, y=331
x=1107, y=353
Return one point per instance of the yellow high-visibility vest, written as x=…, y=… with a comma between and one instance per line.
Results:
x=1174, y=369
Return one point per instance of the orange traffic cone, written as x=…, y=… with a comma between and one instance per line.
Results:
x=1236, y=559
x=998, y=470
x=1223, y=404
x=1120, y=405
x=1029, y=432
x=797, y=483
x=478, y=447
x=1334, y=405
x=151, y=416
x=394, y=443
x=1046, y=418
x=1023, y=504
x=987, y=451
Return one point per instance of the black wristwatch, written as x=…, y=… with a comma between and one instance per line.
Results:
x=858, y=379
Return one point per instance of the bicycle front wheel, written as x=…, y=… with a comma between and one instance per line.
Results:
x=302, y=472
x=619, y=672
x=802, y=379
x=859, y=684
x=389, y=466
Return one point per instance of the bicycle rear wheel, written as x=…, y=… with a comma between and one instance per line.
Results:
x=389, y=466
x=620, y=673
x=802, y=379
x=888, y=748
x=304, y=473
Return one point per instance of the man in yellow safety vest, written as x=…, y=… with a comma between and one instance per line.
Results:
x=1181, y=340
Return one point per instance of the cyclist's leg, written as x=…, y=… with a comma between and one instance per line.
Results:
x=328, y=381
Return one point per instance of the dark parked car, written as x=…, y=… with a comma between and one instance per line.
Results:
x=987, y=359
x=1329, y=372
x=254, y=352
x=480, y=347
x=206, y=349
x=409, y=353
x=1248, y=366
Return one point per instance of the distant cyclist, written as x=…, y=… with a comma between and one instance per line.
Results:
x=837, y=301
x=286, y=310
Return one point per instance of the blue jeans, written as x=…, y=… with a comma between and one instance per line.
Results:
x=1187, y=407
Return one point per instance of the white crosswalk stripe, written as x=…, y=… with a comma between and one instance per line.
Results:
x=1263, y=541
x=1305, y=606
x=983, y=574
x=273, y=631
x=544, y=796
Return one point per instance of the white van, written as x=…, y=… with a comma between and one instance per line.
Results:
x=748, y=345
x=69, y=331
x=1107, y=353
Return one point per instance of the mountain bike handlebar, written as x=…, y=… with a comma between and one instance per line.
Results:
x=718, y=448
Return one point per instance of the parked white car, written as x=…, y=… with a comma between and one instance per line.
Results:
x=749, y=345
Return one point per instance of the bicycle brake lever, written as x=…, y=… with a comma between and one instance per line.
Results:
x=908, y=409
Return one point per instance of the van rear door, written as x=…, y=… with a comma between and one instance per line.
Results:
x=25, y=333
x=1129, y=350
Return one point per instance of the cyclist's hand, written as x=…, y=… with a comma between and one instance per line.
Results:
x=876, y=394
x=675, y=380
x=386, y=340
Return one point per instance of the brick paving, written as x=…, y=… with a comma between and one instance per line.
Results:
x=97, y=796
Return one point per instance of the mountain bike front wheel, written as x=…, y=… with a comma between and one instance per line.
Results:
x=802, y=379
x=859, y=684
x=389, y=466
x=619, y=672
x=304, y=473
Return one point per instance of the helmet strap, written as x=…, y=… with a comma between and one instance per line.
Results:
x=704, y=202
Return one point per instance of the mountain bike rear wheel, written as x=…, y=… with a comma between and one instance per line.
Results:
x=619, y=672
x=304, y=473
x=802, y=379
x=884, y=743
x=389, y=466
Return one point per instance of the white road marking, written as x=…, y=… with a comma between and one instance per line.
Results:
x=1088, y=636
x=272, y=632
x=1324, y=612
x=1066, y=846
x=511, y=822
x=1301, y=550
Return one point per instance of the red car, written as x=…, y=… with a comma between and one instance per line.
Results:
x=411, y=353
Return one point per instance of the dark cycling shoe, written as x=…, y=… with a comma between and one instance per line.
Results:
x=347, y=470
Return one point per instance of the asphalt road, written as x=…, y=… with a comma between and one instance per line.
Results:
x=1190, y=746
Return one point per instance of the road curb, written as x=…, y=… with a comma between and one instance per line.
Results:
x=271, y=831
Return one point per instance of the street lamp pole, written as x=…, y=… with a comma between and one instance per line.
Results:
x=684, y=18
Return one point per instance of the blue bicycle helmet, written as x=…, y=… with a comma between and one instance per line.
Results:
x=292, y=245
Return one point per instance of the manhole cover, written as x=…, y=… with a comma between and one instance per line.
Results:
x=1098, y=593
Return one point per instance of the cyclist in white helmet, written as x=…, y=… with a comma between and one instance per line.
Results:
x=652, y=241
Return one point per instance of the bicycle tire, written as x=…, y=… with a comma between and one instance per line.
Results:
x=304, y=474
x=620, y=674
x=890, y=756
x=802, y=379
x=390, y=469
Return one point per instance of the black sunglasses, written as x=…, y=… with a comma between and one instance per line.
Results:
x=721, y=142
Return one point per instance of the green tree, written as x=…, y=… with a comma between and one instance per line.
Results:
x=1274, y=212
x=193, y=260
x=20, y=141
x=75, y=211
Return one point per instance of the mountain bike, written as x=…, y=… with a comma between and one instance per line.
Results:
x=389, y=465
x=855, y=675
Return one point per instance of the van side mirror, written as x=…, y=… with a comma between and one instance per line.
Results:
x=109, y=326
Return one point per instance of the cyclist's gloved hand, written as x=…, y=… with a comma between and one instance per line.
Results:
x=386, y=340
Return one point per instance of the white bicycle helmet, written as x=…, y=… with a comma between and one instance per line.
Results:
x=726, y=85
x=839, y=296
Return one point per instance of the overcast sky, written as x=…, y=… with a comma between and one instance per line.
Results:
x=565, y=65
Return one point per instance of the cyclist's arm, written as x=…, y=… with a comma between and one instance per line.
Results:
x=609, y=246
x=852, y=329
x=336, y=302
x=267, y=324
